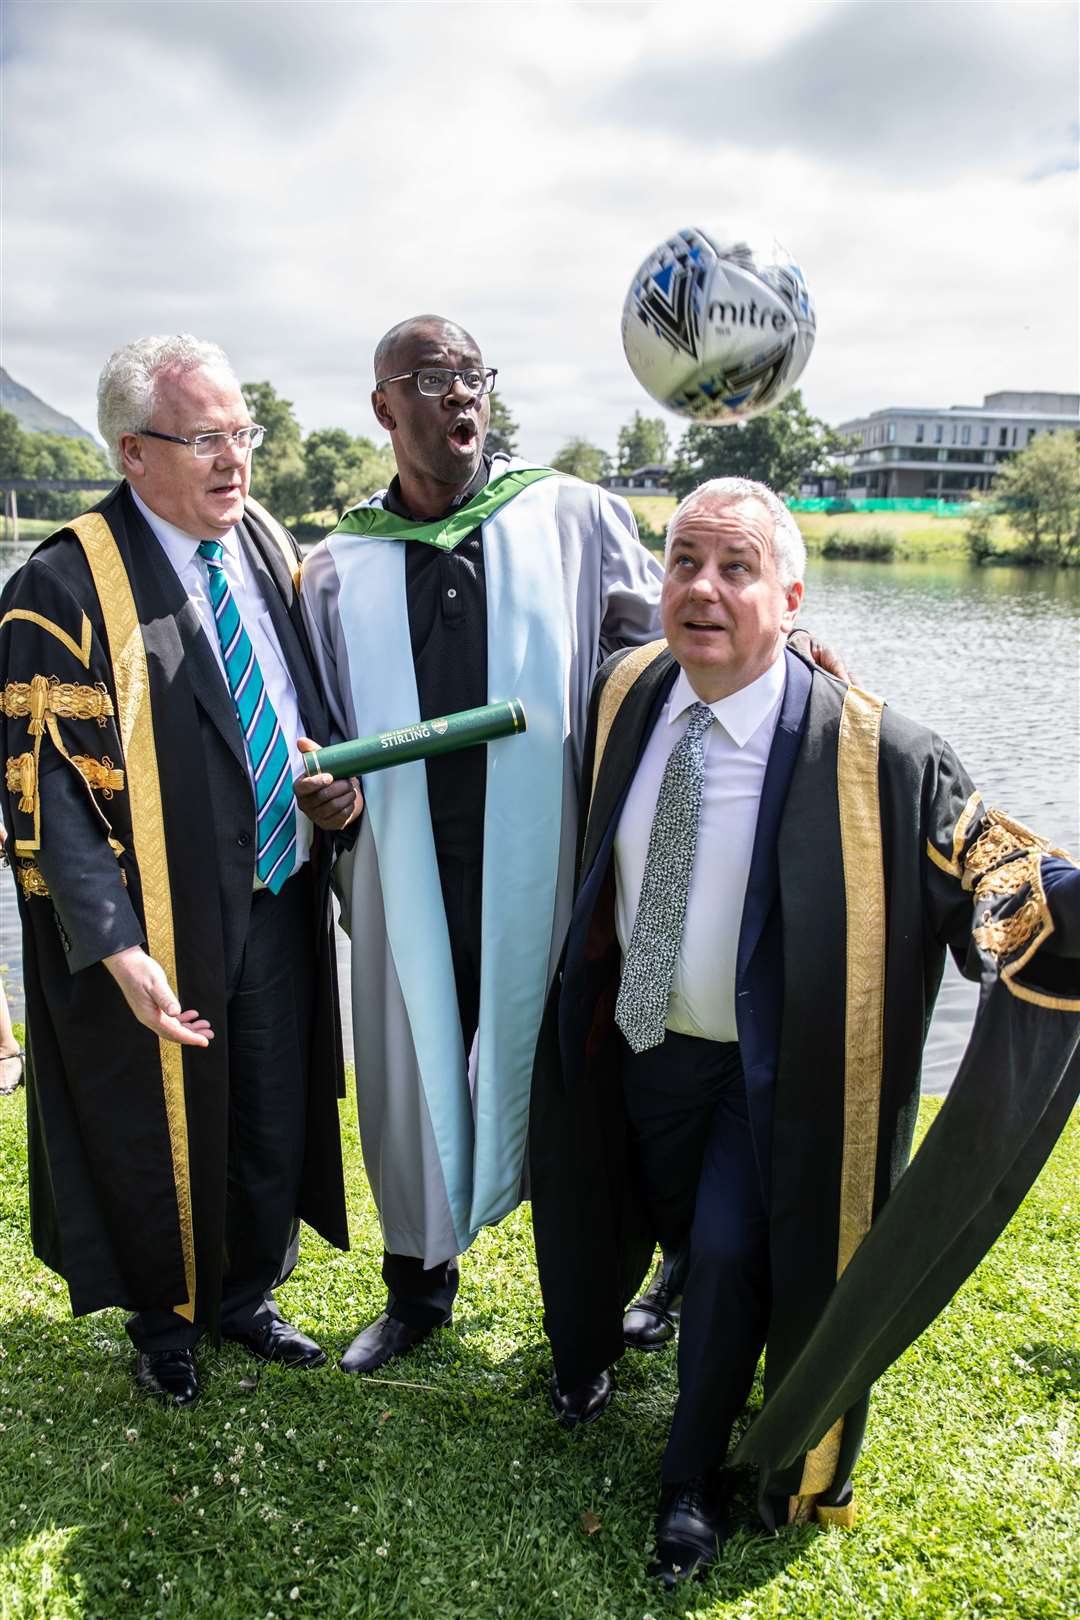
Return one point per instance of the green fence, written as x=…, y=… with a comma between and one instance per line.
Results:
x=839, y=504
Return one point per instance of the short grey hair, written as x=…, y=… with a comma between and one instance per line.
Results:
x=788, y=546
x=127, y=385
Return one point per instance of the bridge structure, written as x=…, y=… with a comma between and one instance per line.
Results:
x=14, y=487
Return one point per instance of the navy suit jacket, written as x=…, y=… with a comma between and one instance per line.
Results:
x=591, y=964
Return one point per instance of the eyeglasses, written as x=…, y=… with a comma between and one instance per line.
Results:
x=209, y=445
x=436, y=381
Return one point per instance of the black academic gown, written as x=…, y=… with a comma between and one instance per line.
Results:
x=864, y=873
x=128, y=1139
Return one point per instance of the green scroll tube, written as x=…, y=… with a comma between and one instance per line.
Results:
x=426, y=738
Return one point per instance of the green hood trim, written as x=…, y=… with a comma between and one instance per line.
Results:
x=446, y=532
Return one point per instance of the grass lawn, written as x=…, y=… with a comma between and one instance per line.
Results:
x=920, y=535
x=446, y=1490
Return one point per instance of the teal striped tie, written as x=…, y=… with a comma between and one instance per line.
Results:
x=275, y=807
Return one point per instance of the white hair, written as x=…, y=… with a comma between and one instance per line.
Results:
x=127, y=385
x=788, y=547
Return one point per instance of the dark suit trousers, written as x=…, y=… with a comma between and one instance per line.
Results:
x=417, y=1296
x=686, y=1105
x=269, y=1033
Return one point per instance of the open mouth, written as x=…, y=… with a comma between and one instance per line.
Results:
x=463, y=433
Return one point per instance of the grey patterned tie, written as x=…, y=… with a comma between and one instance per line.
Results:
x=649, y=967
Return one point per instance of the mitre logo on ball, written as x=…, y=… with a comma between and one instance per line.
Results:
x=715, y=332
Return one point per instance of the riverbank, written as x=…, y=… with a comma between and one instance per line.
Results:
x=447, y=1491
x=873, y=536
x=909, y=536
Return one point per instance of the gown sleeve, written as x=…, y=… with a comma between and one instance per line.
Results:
x=63, y=767
x=989, y=882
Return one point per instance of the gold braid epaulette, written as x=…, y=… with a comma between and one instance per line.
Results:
x=45, y=694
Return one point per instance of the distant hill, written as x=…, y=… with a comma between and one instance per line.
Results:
x=33, y=415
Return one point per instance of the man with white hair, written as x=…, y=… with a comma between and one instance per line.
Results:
x=155, y=677
x=773, y=867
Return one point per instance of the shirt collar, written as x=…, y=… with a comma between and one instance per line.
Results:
x=393, y=502
x=174, y=539
x=743, y=711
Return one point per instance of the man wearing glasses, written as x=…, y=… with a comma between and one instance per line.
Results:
x=155, y=676
x=472, y=578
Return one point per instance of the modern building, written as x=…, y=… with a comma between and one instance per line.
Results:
x=930, y=454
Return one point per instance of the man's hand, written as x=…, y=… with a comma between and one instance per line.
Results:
x=801, y=641
x=150, y=996
x=330, y=805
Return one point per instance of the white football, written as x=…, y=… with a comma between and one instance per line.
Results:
x=713, y=330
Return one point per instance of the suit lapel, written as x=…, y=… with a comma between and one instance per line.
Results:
x=279, y=593
x=762, y=882
x=629, y=733
x=174, y=634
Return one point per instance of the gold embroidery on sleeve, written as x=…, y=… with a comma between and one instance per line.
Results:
x=21, y=777
x=30, y=881
x=101, y=774
x=33, y=885
x=46, y=695
x=79, y=649
x=1005, y=860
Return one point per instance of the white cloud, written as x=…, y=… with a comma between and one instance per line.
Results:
x=293, y=179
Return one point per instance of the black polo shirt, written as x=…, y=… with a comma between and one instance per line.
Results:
x=447, y=603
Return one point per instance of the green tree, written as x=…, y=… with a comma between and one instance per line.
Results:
x=502, y=429
x=978, y=530
x=582, y=460
x=278, y=468
x=643, y=442
x=1039, y=491
x=51, y=455
x=779, y=448
x=12, y=448
x=342, y=470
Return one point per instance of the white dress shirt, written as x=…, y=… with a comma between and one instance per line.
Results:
x=702, y=1000
x=182, y=550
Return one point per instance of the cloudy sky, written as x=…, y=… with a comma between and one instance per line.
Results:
x=291, y=179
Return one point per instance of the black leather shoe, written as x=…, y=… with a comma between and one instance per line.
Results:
x=653, y=1319
x=583, y=1404
x=385, y=1340
x=275, y=1340
x=690, y=1530
x=168, y=1373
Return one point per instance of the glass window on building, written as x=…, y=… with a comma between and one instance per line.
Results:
x=1031, y=434
x=1015, y=430
x=890, y=432
x=1003, y=438
x=984, y=435
x=920, y=432
x=938, y=432
x=953, y=438
x=965, y=434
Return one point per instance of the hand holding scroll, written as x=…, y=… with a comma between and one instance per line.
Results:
x=331, y=805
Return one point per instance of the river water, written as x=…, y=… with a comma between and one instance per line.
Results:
x=988, y=657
